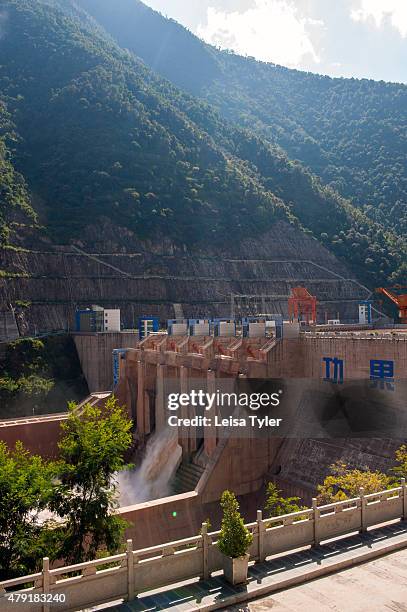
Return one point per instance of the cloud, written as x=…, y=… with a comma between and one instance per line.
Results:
x=381, y=12
x=271, y=30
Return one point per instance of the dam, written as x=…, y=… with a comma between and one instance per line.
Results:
x=181, y=474
x=144, y=369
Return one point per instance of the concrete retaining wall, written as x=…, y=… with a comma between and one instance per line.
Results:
x=95, y=355
x=40, y=435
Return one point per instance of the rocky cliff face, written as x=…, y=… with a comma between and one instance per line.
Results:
x=302, y=464
x=155, y=278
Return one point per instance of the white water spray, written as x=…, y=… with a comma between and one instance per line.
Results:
x=151, y=480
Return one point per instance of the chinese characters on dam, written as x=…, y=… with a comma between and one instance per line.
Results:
x=381, y=371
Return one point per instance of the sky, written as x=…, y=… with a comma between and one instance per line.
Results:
x=351, y=38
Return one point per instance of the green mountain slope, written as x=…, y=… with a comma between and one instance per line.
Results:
x=101, y=140
x=98, y=137
x=352, y=134
x=15, y=206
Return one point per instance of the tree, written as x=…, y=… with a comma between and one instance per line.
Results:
x=25, y=489
x=276, y=505
x=344, y=482
x=235, y=538
x=36, y=375
x=400, y=469
x=92, y=452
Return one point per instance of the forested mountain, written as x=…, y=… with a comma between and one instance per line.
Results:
x=15, y=207
x=101, y=139
x=98, y=136
x=351, y=133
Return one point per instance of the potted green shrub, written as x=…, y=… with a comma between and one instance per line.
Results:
x=234, y=540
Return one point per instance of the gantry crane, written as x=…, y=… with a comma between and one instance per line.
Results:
x=399, y=300
x=302, y=305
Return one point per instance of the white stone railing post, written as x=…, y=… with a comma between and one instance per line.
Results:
x=363, y=524
x=131, y=591
x=316, y=516
x=404, y=498
x=261, y=529
x=205, y=551
x=45, y=583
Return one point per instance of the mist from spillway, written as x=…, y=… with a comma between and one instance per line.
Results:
x=152, y=479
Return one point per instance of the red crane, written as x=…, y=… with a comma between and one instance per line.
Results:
x=302, y=305
x=399, y=300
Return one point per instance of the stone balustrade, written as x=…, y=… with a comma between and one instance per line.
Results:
x=125, y=575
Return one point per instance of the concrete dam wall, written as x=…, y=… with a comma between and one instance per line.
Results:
x=95, y=355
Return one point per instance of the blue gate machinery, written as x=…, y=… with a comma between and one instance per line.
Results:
x=246, y=326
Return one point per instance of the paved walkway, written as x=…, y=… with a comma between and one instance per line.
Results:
x=288, y=571
x=375, y=586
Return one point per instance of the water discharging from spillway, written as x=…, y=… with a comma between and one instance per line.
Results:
x=151, y=480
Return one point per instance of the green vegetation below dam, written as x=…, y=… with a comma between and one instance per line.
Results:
x=40, y=376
